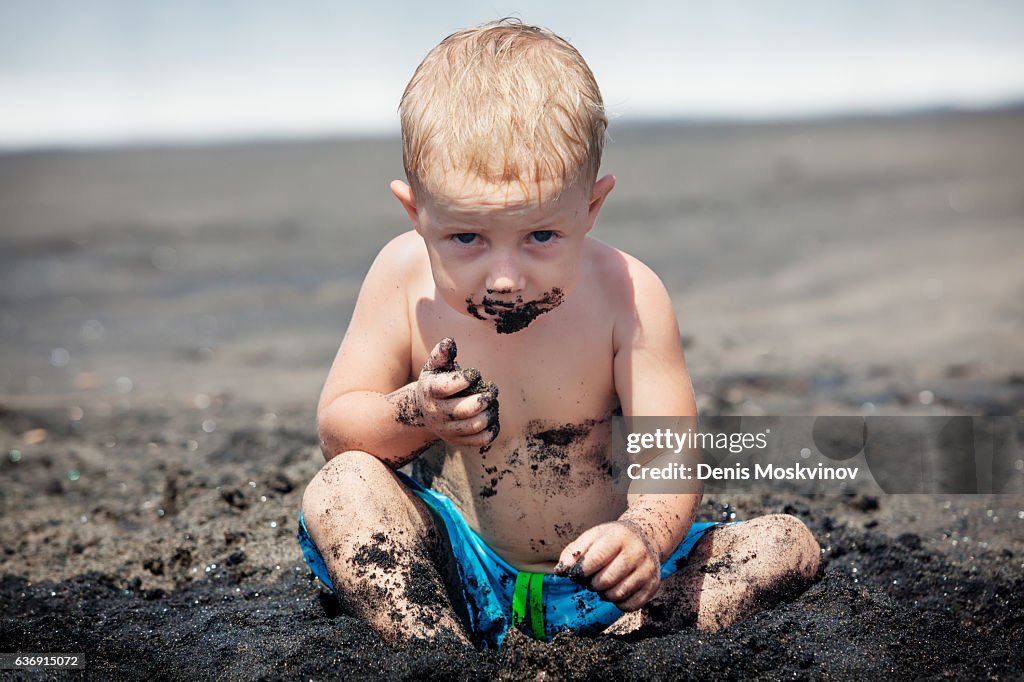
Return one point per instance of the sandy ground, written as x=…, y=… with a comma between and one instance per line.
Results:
x=167, y=317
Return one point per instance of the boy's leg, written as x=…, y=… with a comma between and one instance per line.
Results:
x=389, y=563
x=733, y=572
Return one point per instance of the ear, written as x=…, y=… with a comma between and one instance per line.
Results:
x=602, y=188
x=403, y=193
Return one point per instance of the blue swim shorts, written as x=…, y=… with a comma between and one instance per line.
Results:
x=497, y=595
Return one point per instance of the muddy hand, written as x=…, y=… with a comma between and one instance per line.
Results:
x=451, y=410
x=615, y=561
x=488, y=395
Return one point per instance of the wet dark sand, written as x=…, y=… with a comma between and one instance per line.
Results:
x=167, y=318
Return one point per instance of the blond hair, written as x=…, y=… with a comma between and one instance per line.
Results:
x=504, y=102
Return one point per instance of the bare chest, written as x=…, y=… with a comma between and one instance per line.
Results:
x=545, y=478
x=558, y=369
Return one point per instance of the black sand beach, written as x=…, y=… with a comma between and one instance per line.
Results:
x=167, y=317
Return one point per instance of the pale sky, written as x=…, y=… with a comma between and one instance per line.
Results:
x=92, y=71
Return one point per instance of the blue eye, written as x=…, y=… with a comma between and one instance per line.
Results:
x=465, y=238
x=542, y=236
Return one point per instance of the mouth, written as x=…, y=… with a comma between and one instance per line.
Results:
x=491, y=304
x=513, y=316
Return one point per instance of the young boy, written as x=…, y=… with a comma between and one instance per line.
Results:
x=501, y=337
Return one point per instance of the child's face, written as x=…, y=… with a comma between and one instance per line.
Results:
x=497, y=255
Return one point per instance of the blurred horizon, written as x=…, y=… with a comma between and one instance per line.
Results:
x=116, y=73
x=621, y=126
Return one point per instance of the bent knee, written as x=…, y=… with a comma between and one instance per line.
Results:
x=339, y=481
x=793, y=541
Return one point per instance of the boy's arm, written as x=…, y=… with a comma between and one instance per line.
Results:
x=623, y=558
x=368, y=402
x=651, y=380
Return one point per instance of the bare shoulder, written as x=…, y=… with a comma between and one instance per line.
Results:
x=399, y=266
x=635, y=292
x=379, y=327
x=650, y=370
x=382, y=308
x=404, y=256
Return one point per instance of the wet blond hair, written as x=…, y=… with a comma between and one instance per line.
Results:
x=503, y=102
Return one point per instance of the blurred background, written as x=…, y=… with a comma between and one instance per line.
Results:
x=121, y=71
x=191, y=193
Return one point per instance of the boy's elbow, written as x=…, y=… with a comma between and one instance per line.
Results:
x=323, y=406
x=330, y=441
x=328, y=449
x=332, y=444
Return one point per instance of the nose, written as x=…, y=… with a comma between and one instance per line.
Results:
x=505, y=277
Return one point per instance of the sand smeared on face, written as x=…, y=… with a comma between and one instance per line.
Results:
x=510, y=317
